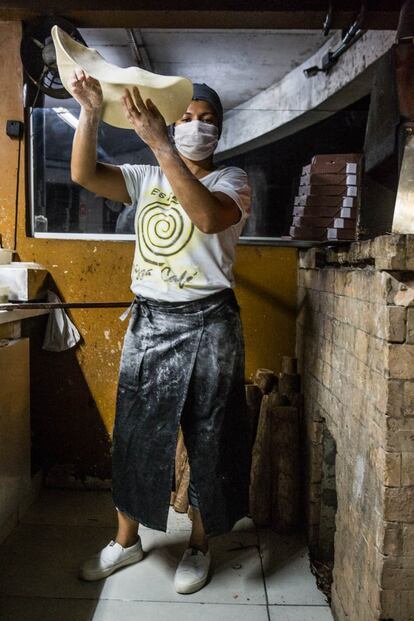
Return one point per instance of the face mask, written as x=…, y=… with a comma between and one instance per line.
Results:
x=196, y=140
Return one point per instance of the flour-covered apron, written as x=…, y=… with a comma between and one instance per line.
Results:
x=182, y=363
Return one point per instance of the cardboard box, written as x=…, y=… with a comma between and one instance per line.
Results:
x=345, y=234
x=309, y=233
x=324, y=212
x=313, y=221
x=344, y=223
x=344, y=168
x=344, y=163
x=328, y=179
x=324, y=201
x=329, y=190
x=347, y=212
x=316, y=212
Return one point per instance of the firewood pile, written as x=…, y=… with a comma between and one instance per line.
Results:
x=274, y=402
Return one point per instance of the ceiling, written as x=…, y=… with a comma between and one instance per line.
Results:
x=237, y=63
x=287, y=14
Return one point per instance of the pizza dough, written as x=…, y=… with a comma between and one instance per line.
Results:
x=171, y=94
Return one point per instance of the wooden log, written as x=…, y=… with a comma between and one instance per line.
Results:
x=289, y=365
x=265, y=379
x=179, y=497
x=289, y=385
x=285, y=468
x=280, y=399
x=297, y=401
x=253, y=398
x=260, y=477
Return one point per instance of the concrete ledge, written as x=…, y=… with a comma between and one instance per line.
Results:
x=296, y=102
x=19, y=314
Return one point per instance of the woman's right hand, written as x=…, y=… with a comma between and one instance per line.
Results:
x=86, y=90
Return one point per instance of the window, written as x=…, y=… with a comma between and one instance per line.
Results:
x=62, y=208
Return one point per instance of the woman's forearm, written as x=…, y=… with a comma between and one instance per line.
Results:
x=83, y=160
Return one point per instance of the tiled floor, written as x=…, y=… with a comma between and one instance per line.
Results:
x=257, y=575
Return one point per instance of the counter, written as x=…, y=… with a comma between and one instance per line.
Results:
x=18, y=489
x=9, y=316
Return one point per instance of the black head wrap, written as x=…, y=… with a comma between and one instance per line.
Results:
x=206, y=93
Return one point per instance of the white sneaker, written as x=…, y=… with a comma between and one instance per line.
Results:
x=192, y=571
x=110, y=558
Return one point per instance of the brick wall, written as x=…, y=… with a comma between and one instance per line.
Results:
x=355, y=347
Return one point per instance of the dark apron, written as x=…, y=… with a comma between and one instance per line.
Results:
x=182, y=363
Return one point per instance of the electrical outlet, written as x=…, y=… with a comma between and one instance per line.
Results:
x=14, y=129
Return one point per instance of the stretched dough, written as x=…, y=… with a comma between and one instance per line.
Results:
x=171, y=94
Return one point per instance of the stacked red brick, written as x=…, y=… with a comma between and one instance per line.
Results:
x=328, y=198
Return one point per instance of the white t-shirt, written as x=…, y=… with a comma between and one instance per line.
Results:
x=173, y=259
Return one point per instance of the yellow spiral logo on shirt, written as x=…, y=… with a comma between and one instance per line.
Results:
x=162, y=231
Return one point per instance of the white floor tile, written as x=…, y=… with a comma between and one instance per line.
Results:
x=300, y=613
x=44, y=560
x=46, y=609
x=144, y=611
x=40, y=562
x=287, y=572
x=49, y=609
x=178, y=521
x=72, y=507
x=236, y=577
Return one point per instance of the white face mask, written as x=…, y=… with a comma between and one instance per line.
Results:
x=196, y=140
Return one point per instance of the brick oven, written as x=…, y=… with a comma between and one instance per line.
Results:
x=355, y=349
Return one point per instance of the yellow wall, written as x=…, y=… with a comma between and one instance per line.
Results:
x=266, y=290
x=74, y=391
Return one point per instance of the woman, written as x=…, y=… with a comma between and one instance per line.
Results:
x=183, y=356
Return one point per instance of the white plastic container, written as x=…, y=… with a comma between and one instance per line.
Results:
x=5, y=256
x=27, y=281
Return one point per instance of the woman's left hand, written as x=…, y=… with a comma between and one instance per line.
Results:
x=146, y=120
